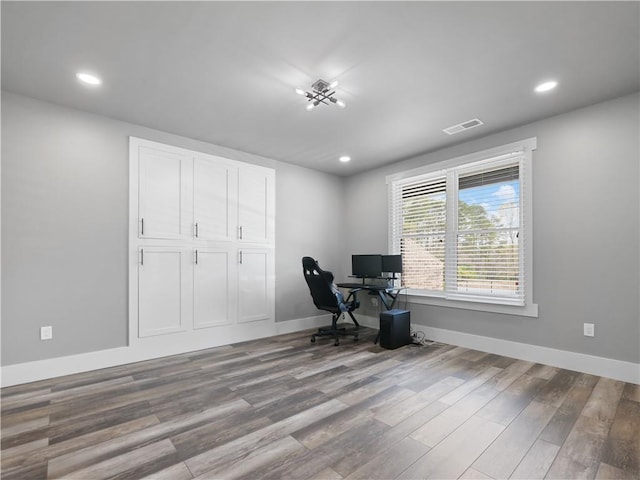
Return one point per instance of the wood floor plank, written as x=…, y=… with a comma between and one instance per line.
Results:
x=377, y=446
x=503, y=456
x=328, y=454
x=147, y=458
x=470, y=385
x=557, y=388
x=508, y=404
x=213, y=434
x=510, y=374
x=18, y=452
x=332, y=426
x=543, y=371
x=28, y=471
x=326, y=474
x=253, y=464
x=61, y=431
x=210, y=459
x=631, y=392
x=78, y=443
x=622, y=447
x=437, y=429
x=392, y=462
x=603, y=402
x=536, y=462
x=177, y=471
x=362, y=392
x=455, y=454
x=17, y=428
x=559, y=427
x=73, y=461
x=580, y=454
x=472, y=474
x=608, y=472
x=393, y=414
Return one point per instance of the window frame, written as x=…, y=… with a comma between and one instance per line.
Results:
x=452, y=168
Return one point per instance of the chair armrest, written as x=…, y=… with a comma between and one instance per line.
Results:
x=353, y=292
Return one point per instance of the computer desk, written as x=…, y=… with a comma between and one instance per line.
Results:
x=388, y=295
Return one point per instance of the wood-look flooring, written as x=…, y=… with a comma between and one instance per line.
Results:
x=285, y=408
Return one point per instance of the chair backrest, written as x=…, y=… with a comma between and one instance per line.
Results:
x=320, y=282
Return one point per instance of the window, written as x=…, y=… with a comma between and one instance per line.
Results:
x=463, y=227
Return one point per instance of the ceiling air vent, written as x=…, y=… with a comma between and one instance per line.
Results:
x=461, y=127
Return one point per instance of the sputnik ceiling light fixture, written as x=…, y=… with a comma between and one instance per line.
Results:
x=322, y=92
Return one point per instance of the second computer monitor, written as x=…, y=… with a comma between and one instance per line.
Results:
x=366, y=266
x=392, y=263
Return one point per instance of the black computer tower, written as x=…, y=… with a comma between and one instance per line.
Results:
x=395, y=328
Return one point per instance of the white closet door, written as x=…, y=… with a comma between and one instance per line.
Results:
x=164, y=204
x=213, y=293
x=163, y=299
x=214, y=199
x=255, y=292
x=256, y=204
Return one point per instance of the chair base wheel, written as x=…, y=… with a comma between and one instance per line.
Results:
x=313, y=339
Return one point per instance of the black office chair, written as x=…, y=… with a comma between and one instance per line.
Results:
x=326, y=296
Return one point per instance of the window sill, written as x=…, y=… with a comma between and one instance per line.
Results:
x=527, y=310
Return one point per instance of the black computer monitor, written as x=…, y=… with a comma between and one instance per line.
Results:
x=392, y=263
x=366, y=266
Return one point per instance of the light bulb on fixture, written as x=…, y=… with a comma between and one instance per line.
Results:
x=333, y=84
x=340, y=103
x=299, y=91
x=345, y=158
x=311, y=106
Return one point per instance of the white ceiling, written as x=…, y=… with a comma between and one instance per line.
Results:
x=225, y=72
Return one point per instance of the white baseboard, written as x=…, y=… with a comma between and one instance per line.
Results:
x=57, y=367
x=580, y=362
x=148, y=349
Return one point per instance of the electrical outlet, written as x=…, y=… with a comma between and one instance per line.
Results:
x=374, y=302
x=46, y=333
x=589, y=329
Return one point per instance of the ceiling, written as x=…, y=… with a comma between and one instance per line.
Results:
x=225, y=72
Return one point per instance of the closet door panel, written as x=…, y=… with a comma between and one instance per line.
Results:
x=255, y=204
x=162, y=292
x=213, y=292
x=255, y=292
x=164, y=205
x=214, y=199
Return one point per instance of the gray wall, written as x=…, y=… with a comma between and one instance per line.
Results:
x=586, y=218
x=64, y=228
x=65, y=209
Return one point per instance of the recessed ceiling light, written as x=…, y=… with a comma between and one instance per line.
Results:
x=546, y=86
x=345, y=158
x=88, y=78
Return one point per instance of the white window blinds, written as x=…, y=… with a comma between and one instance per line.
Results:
x=420, y=232
x=459, y=231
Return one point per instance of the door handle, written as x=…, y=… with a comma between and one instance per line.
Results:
x=240, y=257
x=142, y=227
x=196, y=229
x=196, y=256
x=142, y=257
x=240, y=232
